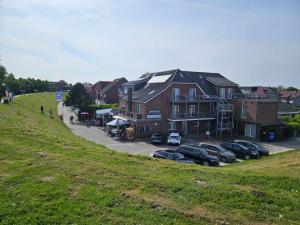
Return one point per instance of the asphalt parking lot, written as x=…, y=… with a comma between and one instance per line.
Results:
x=99, y=136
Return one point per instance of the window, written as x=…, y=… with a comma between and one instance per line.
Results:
x=250, y=130
x=175, y=111
x=244, y=112
x=138, y=108
x=192, y=93
x=229, y=93
x=172, y=125
x=222, y=93
x=176, y=93
x=125, y=90
x=192, y=110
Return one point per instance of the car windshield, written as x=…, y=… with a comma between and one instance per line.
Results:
x=242, y=146
x=220, y=149
x=174, y=137
x=176, y=156
x=256, y=145
x=156, y=135
x=203, y=152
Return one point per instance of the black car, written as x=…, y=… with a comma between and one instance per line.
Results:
x=240, y=151
x=254, y=146
x=199, y=155
x=172, y=155
x=157, y=138
x=223, y=154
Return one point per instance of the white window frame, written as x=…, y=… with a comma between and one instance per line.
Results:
x=175, y=93
x=175, y=110
x=139, y=108
x=192, y=111
x=250, y=130
x=244, y=112
x=192, y=93
x=222, y=92
x=172, y=125
x=229, y=93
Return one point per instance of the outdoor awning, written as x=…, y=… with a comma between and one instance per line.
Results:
x=119, y=117
x=117, y=122
x=101, y=112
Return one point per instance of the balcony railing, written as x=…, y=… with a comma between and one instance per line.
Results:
x=197, y=98
x=257, y=97
x=131, y=115
x=225, y=107
x=191, y=116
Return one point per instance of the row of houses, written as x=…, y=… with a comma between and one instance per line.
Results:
x=192, y=103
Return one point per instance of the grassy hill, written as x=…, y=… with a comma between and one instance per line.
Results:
x=50, y=176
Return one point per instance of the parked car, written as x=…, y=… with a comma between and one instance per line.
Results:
x=157, y=138
x=199, y=155
x=240, y=151
x=253, y=146
x=174, y=139
x=216, y=150
x=172, y=155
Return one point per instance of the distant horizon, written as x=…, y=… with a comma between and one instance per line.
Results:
x=253, y=43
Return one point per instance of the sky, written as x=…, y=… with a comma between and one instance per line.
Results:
x=253, y=42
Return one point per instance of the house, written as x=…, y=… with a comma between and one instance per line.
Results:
x=295, y=99
x=185, y=101
x=292, y=97
x=256, y=90
x=110, y=93
x=286, y=109
x=256, y=116
x=95, y=90
x=285, y=96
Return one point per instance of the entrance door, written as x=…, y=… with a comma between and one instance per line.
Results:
x=184, y=127
x=250, y=130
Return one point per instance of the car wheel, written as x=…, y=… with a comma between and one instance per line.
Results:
x=247, y=157
x=205, y=163
x=223, y=159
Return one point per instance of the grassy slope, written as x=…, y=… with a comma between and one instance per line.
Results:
x=48, y=175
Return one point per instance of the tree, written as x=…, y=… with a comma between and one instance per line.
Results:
x=291, y=89
x=78, y=97
x=292, y=122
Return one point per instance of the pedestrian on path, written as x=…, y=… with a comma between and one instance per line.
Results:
x=50, y=113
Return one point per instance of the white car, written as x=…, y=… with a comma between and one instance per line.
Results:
x=174, y=139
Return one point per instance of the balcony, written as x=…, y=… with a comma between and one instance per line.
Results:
x=225, y=107
x=186, y=116
x=191, y=99
x=130, y=115
x=258, y=97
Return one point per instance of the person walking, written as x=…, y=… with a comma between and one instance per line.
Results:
x=71, y=119
x=42, y=109
x=50, y=113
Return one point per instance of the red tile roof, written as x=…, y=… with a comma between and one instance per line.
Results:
x=286, y=94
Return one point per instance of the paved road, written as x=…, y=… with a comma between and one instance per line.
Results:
x=98, y=136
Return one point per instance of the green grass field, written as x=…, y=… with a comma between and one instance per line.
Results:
x=50, y=176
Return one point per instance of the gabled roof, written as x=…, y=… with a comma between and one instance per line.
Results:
x=286, y=94
x=161, y=80
x=115, y=82
x=218, y=79
x=296, y=94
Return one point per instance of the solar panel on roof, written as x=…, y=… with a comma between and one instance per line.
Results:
x=159, y=79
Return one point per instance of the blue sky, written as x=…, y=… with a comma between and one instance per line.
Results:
x=250, y=42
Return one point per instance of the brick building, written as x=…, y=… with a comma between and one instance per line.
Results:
x=257, y=116
x=188, y=102
x=106, y=92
